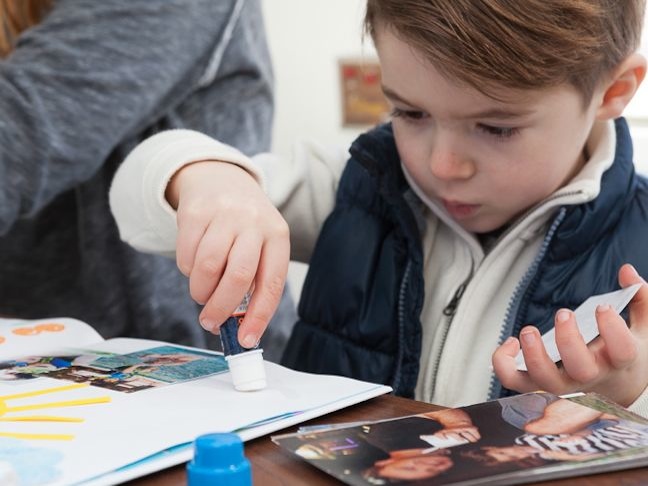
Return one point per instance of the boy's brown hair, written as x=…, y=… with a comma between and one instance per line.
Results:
x=519, y=44
x=17, y=16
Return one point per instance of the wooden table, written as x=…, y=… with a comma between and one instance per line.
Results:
x=272, y=466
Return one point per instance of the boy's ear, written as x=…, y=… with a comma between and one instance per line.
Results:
x=622, y=87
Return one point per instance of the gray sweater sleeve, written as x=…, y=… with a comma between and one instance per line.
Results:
x=89, y=75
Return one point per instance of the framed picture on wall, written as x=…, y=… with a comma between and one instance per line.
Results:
x=363, y=102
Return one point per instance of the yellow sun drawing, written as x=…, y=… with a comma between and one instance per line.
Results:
x=6, y=409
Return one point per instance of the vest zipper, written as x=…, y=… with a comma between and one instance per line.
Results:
x=401, y=326
x=511, y=326
x=451, y=308
x=449, y=311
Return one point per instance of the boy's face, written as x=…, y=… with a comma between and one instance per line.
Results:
x=486, y=161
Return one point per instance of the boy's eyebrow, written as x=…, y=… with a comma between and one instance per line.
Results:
x=394, y=96
x=499, y=113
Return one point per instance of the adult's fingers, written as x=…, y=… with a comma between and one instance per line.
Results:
x=268, y=290
x=195, y=209
x=210, y=262
x=190, y=231
x=236, y=281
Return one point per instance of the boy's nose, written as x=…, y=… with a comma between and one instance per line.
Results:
x=447, y=164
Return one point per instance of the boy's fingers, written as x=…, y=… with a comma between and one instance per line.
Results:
x=504, y=355
x=639, y=303
x=619, y=342
x=269, y=286
x=505, y=367
x=209, y=265
x=541, y=369
x=578, y=361
x=628, y=275
x=237, y=280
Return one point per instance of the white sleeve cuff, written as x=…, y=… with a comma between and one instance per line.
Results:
x=145, y=219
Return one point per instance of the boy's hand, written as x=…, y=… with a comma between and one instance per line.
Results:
x=615, y=364
x=230, y=239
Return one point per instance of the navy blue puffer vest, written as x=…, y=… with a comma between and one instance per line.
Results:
x=359, y=313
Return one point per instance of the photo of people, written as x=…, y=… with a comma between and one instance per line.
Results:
x=30, y=367
x=110, y=379
x=499, y=439
x=169, y=364
x=131, y=372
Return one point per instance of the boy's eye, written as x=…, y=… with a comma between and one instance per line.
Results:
x=499, y=132
x=411, y=115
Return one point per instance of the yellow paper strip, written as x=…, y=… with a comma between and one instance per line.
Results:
x=67, y=403
x=40, y=418
x=37, y=436
x=35, y=393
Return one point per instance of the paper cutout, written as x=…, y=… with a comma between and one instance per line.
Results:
x=33, y=331
x=25, y=331
x=4, y=409
x=585, y=316
x=130, y=372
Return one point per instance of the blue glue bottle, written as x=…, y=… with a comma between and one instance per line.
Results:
x=219, y=459
x=245, y=364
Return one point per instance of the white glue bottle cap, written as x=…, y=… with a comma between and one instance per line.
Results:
x=247, y=370
x=245, y=364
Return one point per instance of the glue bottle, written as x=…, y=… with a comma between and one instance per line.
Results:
x=219, y=459
x=245, y=364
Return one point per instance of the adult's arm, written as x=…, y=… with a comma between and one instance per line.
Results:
x=90, y=76
x=302, y=187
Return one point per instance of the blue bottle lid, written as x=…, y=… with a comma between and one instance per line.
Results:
x=219, y=459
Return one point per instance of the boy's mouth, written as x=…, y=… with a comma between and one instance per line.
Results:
x=459, y=210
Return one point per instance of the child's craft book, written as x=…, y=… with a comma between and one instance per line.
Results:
x=515, y=440
x=75, y=409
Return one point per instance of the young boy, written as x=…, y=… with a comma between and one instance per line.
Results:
x=502, y=191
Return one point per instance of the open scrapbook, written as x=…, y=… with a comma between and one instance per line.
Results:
x=77, y=409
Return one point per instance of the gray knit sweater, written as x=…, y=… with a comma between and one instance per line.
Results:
x=78, y=93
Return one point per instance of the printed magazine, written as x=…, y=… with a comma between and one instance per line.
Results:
x=525, y=438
